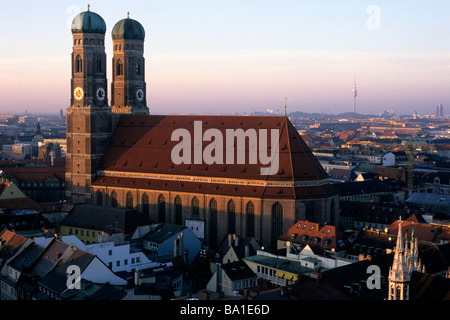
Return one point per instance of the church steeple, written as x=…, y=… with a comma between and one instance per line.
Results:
x=405, y=262
x=89, y=115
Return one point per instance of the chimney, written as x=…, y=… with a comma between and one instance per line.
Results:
x=186, y=257
x=229, y=241
x=236, y=240
x=247, y=250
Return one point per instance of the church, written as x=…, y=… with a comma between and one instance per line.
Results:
x=119, y=155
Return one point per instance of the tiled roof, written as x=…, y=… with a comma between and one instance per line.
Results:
x=10, y=242
x=142, y=144
x=422, y=231
x=163, y=232
x=314, y=234
x=238, y=270
x=104, y=218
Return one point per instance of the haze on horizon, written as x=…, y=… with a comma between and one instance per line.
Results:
x=216, y=57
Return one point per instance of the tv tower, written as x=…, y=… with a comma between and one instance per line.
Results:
x=355, y=93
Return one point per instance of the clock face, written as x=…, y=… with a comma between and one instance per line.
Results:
x=78, y=93
x=101, y=94
x=140, y=94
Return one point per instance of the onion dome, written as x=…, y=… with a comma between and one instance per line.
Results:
x=88, y=22
x=128, y=29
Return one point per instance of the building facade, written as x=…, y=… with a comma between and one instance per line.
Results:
x=120, y=156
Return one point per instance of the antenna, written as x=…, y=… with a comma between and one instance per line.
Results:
x=355, y=94
x=285, y=105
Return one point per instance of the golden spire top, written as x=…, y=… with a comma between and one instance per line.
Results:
x=88, y=7
x=128, y=14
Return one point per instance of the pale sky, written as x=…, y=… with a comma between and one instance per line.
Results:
x=219, y=57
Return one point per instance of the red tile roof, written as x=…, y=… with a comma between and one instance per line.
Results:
x=305, y=233
x=422, y=231
x=142, y=144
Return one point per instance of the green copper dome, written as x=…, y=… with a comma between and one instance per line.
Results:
x=128, y=29
x=88, y=22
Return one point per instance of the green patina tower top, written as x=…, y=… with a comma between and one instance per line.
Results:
x=88, y=22
x=128, y=29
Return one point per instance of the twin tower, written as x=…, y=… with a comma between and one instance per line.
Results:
x=91, y=120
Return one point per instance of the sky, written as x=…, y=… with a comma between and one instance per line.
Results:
x=236, y=56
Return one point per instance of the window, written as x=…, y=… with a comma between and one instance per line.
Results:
x=178, y=211
x=231, y=209
x=250, y=219
x=129, y=200
x=119, y=68
x=277, y=223
x=310, y=211
x=195, y=207
x=213, y=223
x=161, y=208
x=99, y=196
x=145, y=204
x=110, y=252
x=99, y=65
x=118, y=263
x=114, y=199
x=78, y=64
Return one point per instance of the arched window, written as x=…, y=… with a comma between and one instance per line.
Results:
x=145, y=204
x=250, y=210
x=231, y=209
x=332, y=213
x=129, y=203
x=195, y=207
x=99, y=65
x=78, y=64
x=277, y=223
x=213, y=223
x=310, y=211
x=161, y=208
x=114, y=199
x=138, y=69
x=99, y=196
x=178, y=211
x=119, y=68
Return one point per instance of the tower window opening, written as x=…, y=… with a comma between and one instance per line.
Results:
x=78, y=64
x=119, y=68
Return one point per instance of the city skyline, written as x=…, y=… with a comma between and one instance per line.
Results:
x=216, y=58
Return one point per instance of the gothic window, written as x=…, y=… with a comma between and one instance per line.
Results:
x=231, y=209
x=195, y=207
x=138, y=69
x=119, y=68
x=250, y=219
x=277, y=223
x=161, y=208
x=99, y=65
x=145, y=204
x=178, y=211
x=99, y=198
x=114, y=199
x=310, y=211
x=213, y=223
x=78, y=64
x=332, y=213
x=129, y=203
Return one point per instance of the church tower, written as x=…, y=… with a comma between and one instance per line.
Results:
x=400, y=272
x=88, y=116
x=128, y=87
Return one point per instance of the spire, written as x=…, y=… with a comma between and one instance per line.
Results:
x=399, y=247
x=88, y=7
